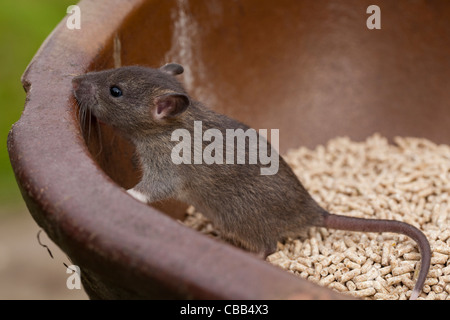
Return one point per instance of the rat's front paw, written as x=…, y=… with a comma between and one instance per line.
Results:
x=138, y=195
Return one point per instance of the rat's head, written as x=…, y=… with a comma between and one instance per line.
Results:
x=133, y=99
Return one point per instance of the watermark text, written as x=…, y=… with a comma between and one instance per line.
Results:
x=234, y=144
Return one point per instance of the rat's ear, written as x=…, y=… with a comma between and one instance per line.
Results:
x=172, y=68
x=170, y=105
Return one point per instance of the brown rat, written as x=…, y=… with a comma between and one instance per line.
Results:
x=252, y=210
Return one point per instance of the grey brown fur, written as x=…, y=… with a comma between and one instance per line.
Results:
x=253, y=211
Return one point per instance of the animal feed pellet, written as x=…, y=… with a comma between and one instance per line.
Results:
x=407, y=181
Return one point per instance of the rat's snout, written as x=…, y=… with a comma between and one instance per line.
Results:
x=83, y=89
x=75, y=83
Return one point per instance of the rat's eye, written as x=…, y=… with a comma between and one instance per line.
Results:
x=115, y=92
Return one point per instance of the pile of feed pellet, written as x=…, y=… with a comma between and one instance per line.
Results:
x=407, y=181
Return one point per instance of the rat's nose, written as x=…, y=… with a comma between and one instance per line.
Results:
x=76, y=83
x=82, y=88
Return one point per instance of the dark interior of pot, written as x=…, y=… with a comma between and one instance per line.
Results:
x=311, y=69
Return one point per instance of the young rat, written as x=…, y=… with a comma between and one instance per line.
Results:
x=252, y=210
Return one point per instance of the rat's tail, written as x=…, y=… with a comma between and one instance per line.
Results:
x=333, y=221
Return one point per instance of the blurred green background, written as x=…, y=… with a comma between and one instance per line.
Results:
x=26, y=269
x=24, y=25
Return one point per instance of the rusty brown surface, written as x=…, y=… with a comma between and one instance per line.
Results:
x=309, y=68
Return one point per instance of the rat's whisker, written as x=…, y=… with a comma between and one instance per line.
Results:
x=99, y=137
x=89, y=124
x=81, y=118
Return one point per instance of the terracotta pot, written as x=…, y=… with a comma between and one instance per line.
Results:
x=309, y=68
